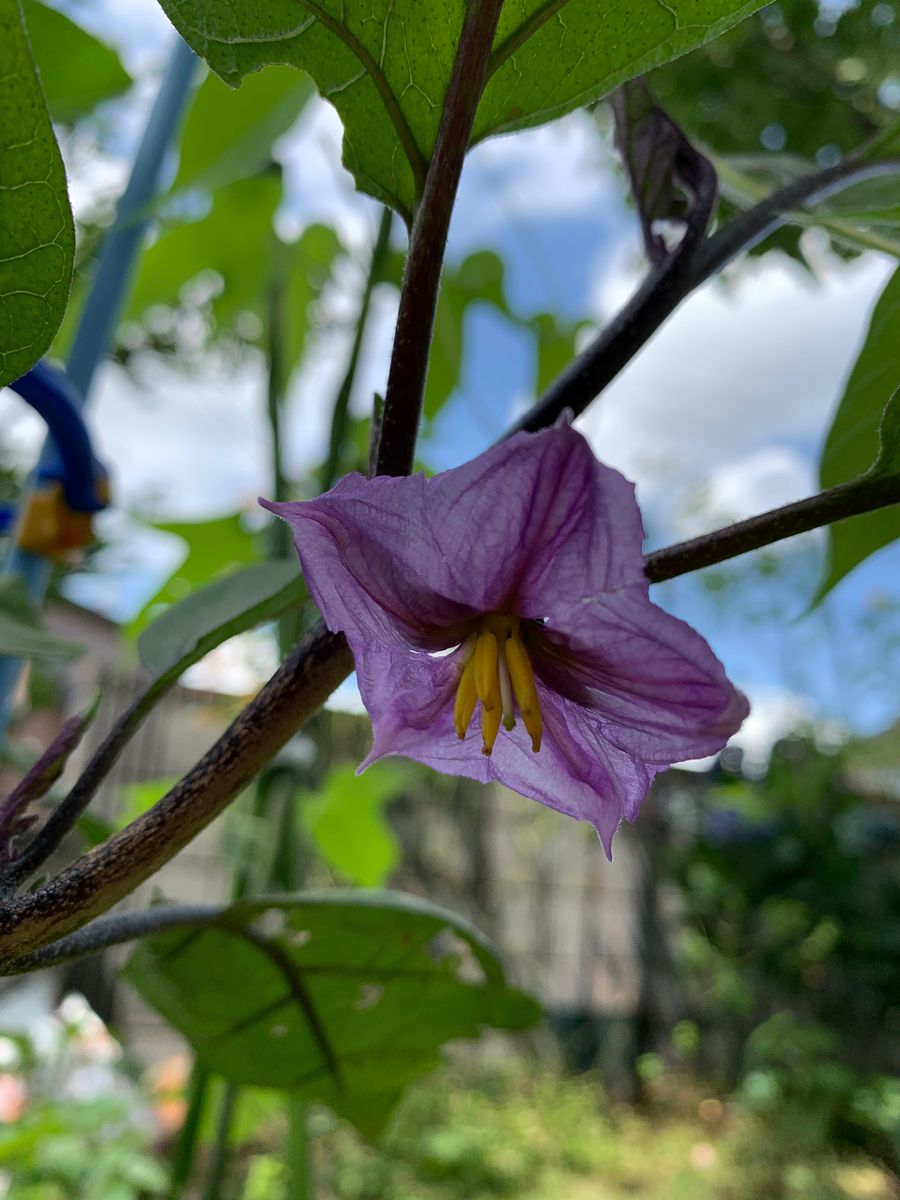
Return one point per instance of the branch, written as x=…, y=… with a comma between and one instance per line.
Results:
x=863, y=495
x=94, y=882
x=115, y=931
x=418, y=295
x=693, y=262
x=64, y=818
x=655, y=300
x=749, y=228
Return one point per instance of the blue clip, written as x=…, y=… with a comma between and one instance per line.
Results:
x=71, y=463
x=70, y=484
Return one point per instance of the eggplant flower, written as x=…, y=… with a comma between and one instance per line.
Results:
x=502, y=629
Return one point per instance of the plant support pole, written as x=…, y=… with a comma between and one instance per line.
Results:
x=103, y=305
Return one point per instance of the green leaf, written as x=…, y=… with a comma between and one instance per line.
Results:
x=385, y=64
x=345, y=819
x=20, y=631
x=77, y=70
x=308, y=262
x=22, y=641
x=213, y=548
x=864, y=216
x=556, y=341
x=888, y=461
x=853, y=445
x=235, y=239
x=228, y=134
x=194, y=626
x=343, y=997
x=37, y=236
x=477, y=279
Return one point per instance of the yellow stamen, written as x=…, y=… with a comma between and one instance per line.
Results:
x=522, y=677
x=487, y=674
x=466, y=698
x=490, y=726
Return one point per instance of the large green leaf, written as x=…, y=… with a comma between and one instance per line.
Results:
x=77, y=70
x=385, y=64
x=344, y=997
x=345, y=819
x=228, y=134
x=213, y=549
x=853, y=446
x=37, y=237
x=211, y=615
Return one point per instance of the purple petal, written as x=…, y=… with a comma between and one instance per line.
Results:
x=649, y=681
x=414, y=560
x=410, y=698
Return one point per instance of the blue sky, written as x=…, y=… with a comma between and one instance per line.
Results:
x=721, y=415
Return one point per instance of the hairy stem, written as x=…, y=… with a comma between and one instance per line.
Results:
x=418, y=295
x=94, y=882
x=63, y=819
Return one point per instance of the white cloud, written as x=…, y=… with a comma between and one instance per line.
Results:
x=764, y=478
x=748, y=364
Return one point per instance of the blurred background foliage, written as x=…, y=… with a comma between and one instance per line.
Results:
x=773, y=1072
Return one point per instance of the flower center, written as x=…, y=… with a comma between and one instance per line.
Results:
x=498, y=673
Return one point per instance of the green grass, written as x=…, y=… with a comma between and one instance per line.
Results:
x=519, y=1131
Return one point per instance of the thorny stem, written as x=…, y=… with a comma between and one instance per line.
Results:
x=94, y=882
x=421, y=278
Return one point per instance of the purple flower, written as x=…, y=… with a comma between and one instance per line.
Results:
x=502, y=629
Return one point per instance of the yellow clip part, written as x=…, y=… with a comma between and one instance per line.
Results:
x=49, y=527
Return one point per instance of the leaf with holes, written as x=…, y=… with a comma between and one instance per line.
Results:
x=863, y=438
x=385, y=64
x=343, y=997
x=37, y=236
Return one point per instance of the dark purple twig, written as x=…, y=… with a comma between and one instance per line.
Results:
x=846, y=500
x=421, y=278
